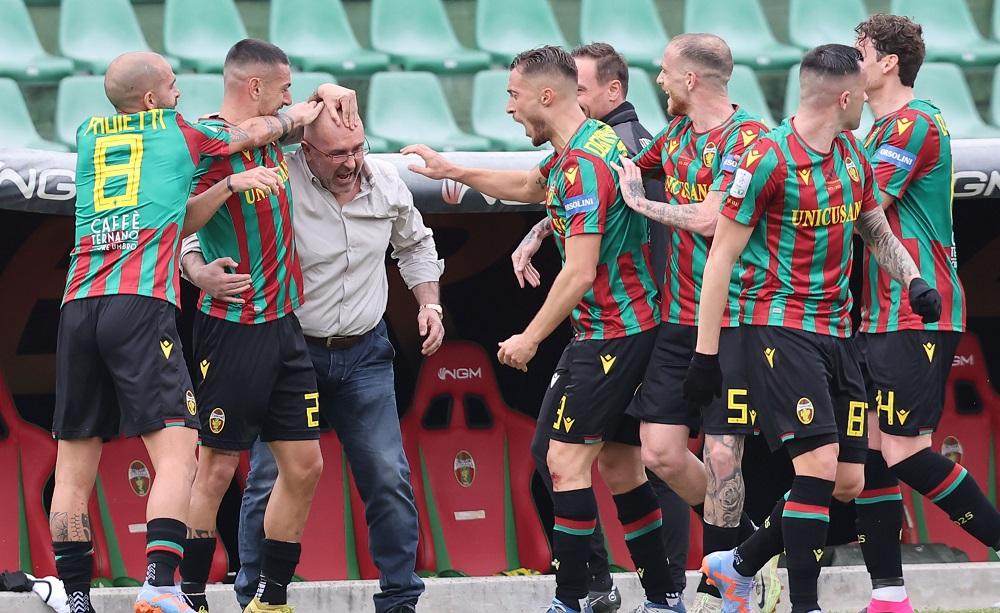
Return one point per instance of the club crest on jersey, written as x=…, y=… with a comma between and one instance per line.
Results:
x=708, y=155
x=217, y=420
x=852, y=170
x=805, y=411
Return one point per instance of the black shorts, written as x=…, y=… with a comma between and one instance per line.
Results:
x=256, y=380
x=807, y=386
x=906, y=373
x=592, y=386
x=120, y=369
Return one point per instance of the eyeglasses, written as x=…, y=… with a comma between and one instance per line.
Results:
x=340, y=158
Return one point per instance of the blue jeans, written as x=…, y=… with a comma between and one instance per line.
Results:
x=358, y=398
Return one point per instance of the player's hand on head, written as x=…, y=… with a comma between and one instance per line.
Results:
x=304, y=112
x=215, y=280
x=925, y=301
x=435, y=165
x=341, y=103
x=257, y=178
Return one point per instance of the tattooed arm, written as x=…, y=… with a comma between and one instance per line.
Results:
x=697, y=217
x=888, y=251
x=526, y=186
x=258, y=131
x=524, y=270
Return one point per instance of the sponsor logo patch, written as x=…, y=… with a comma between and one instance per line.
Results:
x=730, y=163
x=741, y=182
x=900, y=158
x=584, y=203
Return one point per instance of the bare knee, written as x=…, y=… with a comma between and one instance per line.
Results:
x=848, y=487
x=667, y=461
x=621, y=468
x=215, y=469
x=302, y=471
x=570, y=465
x=895, y=449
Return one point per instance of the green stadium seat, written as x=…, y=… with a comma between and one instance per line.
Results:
x=21, y=54
x=745, y=91
x=316, y=35
x=79, y=97
x=636, y=33
x=945, y=86
x=419, y=36
x=950, y=33
x=304, y=84
x=410, y=107
x=742, y=24
x=648, y=100
x=505, y=28
x=16, y=128
x=200, y=33
x=792, y=103
x=995, y=97
x=812, y=23
x=92, y=37
x=489, y=112
x=378, y=145
x=201, y=94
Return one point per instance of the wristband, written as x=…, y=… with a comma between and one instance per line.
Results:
x=229, y=184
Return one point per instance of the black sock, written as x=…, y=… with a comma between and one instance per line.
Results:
x=642, y=519
x=805, y=522
x=195, y=567
x=597, y=564
x=164, y=549
x=950, y=487
x=715, y=539
x=767, y=542
x=745, y=529
x=879, y=511
x=278, y=562
x=575, y=519
x=75, y=567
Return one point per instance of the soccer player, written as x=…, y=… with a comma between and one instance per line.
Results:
x=908, y=358
x=602, y=87
x=256, y=375
x=607, y=291
x=119, y=365
x=795, y=202
x=697, y=155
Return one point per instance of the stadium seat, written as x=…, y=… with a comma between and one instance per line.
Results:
x=967, y=434
x=419, y=36
x=21, y=54
x=742, y=24
x=93, y=35
x=636, y=33
x=379, y=145
x=995, y=96
x=792, y=103
x=950, y=33
x=647, y=98
x=304, y=84
x=812, y=23
x=16, y=128
x=421, y=115
x=471, y=470
x=745, y=91
x=28, y=455
x=505, y=28
x=316, y=35
x=78, y=98
x=489, y=114
x=201, y=33
x=945, y=86
x=201, y=94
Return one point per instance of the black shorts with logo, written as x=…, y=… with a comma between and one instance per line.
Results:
x=120, y=369
x=807, y=385
x=592, y=386
x=660, y=399
x=906, y=373
x=256, y=380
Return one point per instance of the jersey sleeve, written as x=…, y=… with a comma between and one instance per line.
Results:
x=207, y=140
x=588, y=190
x=739, y=140
x=650, y=159
x=902, y=153
x=754, y=185
x=546, y=165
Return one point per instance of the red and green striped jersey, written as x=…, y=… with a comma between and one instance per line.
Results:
x=255, y=229
x=133, y=176
x=583, y=198
x=804, y=204
x=692, y=164
x=910, y=151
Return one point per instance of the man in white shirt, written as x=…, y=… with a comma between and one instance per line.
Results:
x=348, y=210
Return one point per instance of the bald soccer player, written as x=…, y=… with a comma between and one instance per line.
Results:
x=119, y=365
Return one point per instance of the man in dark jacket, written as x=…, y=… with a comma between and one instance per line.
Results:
x=601, y=91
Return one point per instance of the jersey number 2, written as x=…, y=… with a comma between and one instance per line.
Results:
x=129, y=169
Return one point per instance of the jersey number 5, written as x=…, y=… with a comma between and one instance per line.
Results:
x=105, y=171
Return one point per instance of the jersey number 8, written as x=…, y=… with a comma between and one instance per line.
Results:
x=129, y=169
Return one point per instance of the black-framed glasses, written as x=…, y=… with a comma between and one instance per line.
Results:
x=340, y=158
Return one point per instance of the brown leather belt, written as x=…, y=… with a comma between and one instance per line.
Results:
x=335, y=342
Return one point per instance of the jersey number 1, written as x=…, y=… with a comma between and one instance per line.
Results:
x=129, y=169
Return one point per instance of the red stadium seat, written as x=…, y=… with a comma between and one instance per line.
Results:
x=471, y=469
x=29, y=453
x=967, y=434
